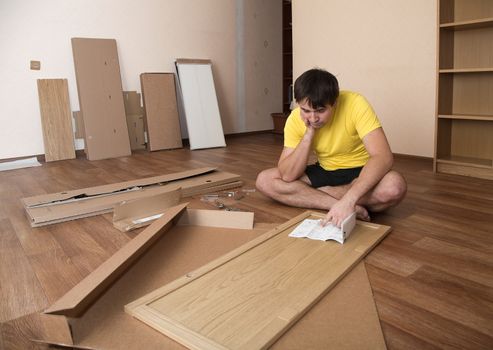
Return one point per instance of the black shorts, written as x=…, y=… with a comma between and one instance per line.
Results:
x=320, y=177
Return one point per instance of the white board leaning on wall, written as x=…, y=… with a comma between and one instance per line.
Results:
x=202, y=115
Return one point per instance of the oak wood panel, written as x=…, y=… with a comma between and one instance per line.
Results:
x=56, y=119
x=441, y=241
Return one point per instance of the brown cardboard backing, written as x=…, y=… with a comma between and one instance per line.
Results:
x=135, y=124
x=249, y=297
x=161, y=111
x=345, y=318
x=53, y=208
x=99, y=86
x=79, y=125
x=56, y=119
x=131, y=101
x=134, y=114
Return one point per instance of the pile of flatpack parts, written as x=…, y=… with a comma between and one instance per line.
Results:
x=112, y=122
x=69, y=205
x=207, y=279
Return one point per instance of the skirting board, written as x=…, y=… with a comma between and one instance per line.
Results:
x=248, y=298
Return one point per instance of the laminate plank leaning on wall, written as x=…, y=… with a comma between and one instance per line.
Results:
x=56, y=119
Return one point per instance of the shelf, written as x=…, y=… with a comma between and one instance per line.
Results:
x=467, y=161
x=473, y=24
x=466, y=117
x=466, y=70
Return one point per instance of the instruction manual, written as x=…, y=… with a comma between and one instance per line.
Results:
x=313, y=229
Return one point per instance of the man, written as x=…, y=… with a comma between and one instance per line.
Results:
x=353, y=172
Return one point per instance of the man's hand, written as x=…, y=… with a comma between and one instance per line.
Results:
x=339, y=211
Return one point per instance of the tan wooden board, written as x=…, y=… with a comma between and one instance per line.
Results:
x=56, y=119
x=99, y=86
x=161, y=111
x=248, y=298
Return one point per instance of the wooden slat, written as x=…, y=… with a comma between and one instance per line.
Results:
x=56, y=119
x=248, y=298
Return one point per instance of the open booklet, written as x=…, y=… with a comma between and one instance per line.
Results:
x=313, y=229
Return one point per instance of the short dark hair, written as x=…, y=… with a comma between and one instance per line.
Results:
x=318, y=86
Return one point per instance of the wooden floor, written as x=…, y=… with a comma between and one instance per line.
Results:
x=432, y=277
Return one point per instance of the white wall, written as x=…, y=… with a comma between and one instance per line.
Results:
x=384, y=49
x=150, y=35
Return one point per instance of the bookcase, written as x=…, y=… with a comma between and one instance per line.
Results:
x=464, y=120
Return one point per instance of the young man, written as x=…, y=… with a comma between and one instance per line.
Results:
x=353, y=172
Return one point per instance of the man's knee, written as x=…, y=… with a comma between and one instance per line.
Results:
x=394, y=188
x=264, y=180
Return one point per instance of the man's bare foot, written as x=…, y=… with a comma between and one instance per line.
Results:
x=362, y=213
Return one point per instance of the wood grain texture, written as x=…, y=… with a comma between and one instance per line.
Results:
x=440, y=244
x=56, y=119
x=251, y=297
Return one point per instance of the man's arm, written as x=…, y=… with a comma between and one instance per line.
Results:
x=292, y=162
x=378, y=165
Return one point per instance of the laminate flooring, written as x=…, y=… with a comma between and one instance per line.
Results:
x=432, y=277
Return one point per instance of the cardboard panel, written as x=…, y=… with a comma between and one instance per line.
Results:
x=346, y=317
x=200, y=102
x=71, y=205
x=131, y=100
x=79, y=125
x=249, y=297
x=100, y=97
x=135, y=124
x=161, y=111
x=56, y=119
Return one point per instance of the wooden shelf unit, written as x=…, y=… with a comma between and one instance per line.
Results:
x=464, y=120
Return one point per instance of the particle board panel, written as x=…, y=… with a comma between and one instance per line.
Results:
x=200, y=103
x=56, y=119
x=248, y=298
x=161, y=111
x=99, y=86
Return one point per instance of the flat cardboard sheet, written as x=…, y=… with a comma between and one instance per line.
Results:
x=56, y=119
x=161, y=111
x=204, y=124
x=99, y=86
x=345, y=318
x=134, y=114
x=71, y=205
x=248, y=298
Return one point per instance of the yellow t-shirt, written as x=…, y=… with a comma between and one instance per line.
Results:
x=338, y=144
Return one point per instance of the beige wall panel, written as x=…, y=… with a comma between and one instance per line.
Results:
x=56, y=119
x=385, y=50
x=101, y=100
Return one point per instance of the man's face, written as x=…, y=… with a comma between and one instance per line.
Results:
x=317, y=117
